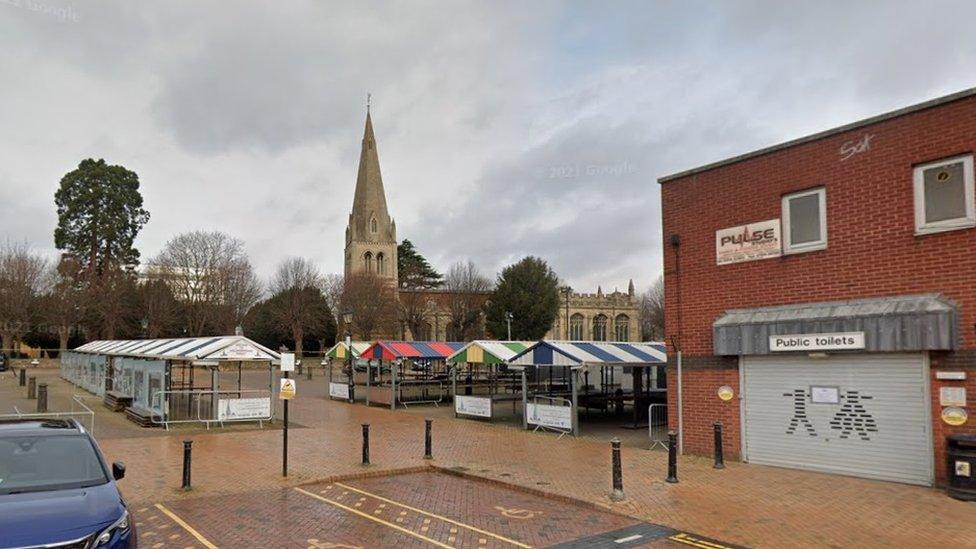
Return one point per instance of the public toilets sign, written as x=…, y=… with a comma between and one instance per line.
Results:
x=844, y=341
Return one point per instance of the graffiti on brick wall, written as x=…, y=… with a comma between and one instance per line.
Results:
x=855, y=146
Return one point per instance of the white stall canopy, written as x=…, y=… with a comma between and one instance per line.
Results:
x=219, y=348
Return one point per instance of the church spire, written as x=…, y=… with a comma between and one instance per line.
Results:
x=369, y=201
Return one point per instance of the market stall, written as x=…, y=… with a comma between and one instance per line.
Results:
x=166, y=381
x=341, y=387
x=407, y=372
x=481, y=379
x=558, y=377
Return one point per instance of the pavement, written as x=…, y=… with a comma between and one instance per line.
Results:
x=238, y=488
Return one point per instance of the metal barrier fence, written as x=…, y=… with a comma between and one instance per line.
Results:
x=420, y=392
x=657, y=425
x=78, y=408
x=200, y=406
x=561, y=423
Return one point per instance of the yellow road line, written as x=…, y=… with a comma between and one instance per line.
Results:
x=689, y=540
x=374, y=519
x=186, y=526
x=439, y=517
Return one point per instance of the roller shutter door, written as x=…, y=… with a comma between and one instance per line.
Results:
x=879, y=426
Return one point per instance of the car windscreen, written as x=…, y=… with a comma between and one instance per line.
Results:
x=34, y=463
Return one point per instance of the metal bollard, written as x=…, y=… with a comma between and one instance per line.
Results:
x=618, y=479
x=187, y=459
x=42, y=398
x=23, y=376
x=31, y=387
x=308, y=373
x=428, y=443
x=672, y=457
x=365, y=443
x=719, y=457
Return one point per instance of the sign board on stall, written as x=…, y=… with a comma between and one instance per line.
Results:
x=287, y=391
x=748, y=242
x=339, y=390
x=472, y=406
x=548, y=415
x=817, y=342
x=243, y=408
x=287, y=362
x=239, y=351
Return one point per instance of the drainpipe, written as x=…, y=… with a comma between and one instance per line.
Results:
x=681, y=431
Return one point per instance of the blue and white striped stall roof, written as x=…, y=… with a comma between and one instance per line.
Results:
x=575, y=353
x=231, y=348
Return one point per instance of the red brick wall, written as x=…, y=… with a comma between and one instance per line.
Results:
x=701, y=378
x=951, y=362
x=872, y=247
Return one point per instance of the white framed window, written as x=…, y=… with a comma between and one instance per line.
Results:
x=944, y=195
x=805, y=221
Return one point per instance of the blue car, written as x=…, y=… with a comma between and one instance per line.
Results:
x=56, y=490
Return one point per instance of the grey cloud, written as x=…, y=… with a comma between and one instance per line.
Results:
x=504, y=129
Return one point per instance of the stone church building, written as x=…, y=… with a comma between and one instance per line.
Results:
x=371, y=246
x=597, y=317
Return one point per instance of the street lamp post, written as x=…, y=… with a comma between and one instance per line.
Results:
x=347, y=320
x=508, y=320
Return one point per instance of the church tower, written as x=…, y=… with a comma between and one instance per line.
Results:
x=371, y=242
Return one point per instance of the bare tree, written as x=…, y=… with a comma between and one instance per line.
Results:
x=295, y=272
x=373, y=303
x=415, y=311
x=64, y=303
x=22, y=279
x=242, y=290
x=297, y=303
x=332, y=286
x=111, y=302
x=158, y=309
x=467, y=292
x=211, y=275
x=652, y=312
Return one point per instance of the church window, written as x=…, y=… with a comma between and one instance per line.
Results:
x=372, y=225
x=368, y=262
x=600, y=328
x=380, y=264
x=621, y=327
x=576, y=327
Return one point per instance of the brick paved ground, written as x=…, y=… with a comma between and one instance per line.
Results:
x=412, y=510
x=745, y=504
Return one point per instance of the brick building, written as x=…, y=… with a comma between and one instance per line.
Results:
x=830, y=283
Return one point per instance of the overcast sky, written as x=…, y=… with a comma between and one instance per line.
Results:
x=504, y=129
